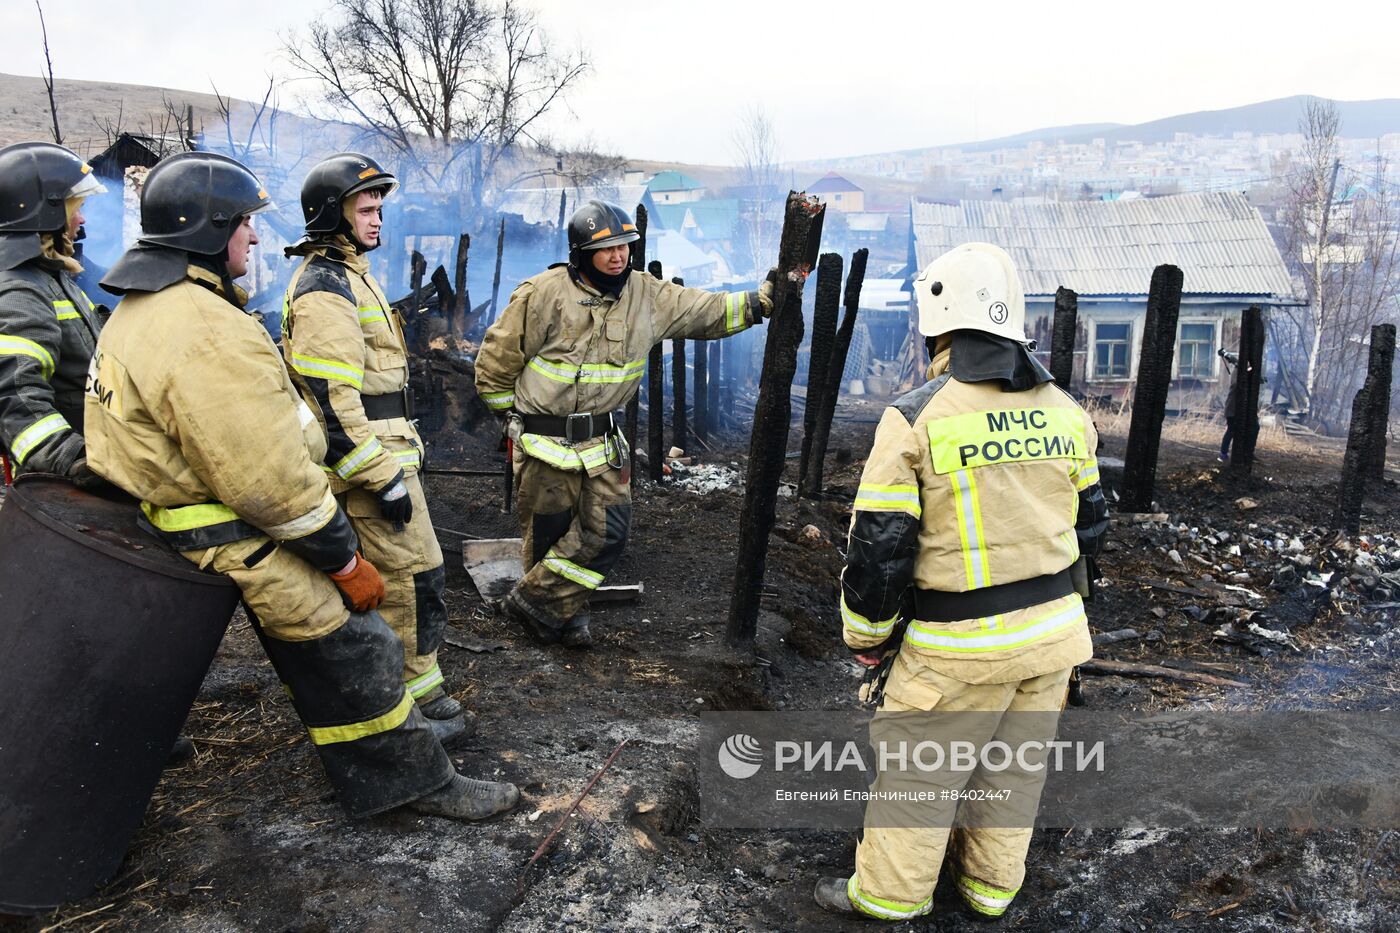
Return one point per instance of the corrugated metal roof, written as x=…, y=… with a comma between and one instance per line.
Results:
x=1111, y=247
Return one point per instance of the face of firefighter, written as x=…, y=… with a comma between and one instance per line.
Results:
x=75, y=218
x=240, y=246
x=611, y=260
x=367, y=217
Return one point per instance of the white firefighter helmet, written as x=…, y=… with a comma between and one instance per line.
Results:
x=972, y=287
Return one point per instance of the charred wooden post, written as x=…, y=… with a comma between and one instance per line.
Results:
x=1154, y=377
x=712, y=402
x=417, y=267
x=1251, y=377
x=461, y=303
x=496, y=279
x=801, y=238
x=1382, y=342
x=1062, y=337
x=701, y=368
x=828, y=300
x=1362, y=441
x=639, y=266
x=656, y=400
x=836, y=370
x=680, y=433
x=563, y=231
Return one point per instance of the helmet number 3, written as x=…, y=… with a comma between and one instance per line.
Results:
x=592, y=224
x=998, y=312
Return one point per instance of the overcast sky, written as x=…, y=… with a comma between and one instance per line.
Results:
x=670, y=78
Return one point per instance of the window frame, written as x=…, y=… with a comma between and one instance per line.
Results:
x=1127, y=344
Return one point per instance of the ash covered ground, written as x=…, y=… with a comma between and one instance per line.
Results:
x=247, y=836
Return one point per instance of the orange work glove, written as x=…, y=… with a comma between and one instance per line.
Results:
x=361, y=584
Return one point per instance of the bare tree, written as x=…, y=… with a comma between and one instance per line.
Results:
x=453, y=87
x=1346, y=252
x=756, y=154
x=48, y=77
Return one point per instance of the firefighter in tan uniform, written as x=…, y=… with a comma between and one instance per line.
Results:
x=980, y=493
x=568, y=351
x=346, y=350
x=190, y=410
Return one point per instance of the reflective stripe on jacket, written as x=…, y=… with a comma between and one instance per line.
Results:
x=48, y=330
x=969, y=487
x=342, y=340
x=561, y=347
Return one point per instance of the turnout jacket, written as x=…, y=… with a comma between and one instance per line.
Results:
x=48, y=330
x=562, y=347
x=189, y=409
x=343, y=342
x=970, y=486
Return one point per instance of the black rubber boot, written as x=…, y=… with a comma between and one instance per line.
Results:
x=465, y=798
x=519, y=613
x=830, y=894
x=576, y=633
x=441, y=706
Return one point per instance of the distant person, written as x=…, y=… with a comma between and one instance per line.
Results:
x=345, y=347
x=1232, y=398
x=567, y=352
x=980, y=494
x=191, y=410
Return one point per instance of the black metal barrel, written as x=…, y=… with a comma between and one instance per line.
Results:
x=105, y=638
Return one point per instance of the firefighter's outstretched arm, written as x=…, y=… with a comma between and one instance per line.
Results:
x=695, y=313
x=884, y=537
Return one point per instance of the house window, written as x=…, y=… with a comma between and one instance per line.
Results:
x=1196, y=351
x=838, y=197
x=1111, y=345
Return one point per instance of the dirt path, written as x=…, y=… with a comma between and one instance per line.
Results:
x=248, y=836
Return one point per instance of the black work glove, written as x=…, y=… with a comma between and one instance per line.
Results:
x=395, y=504
x=82, y=476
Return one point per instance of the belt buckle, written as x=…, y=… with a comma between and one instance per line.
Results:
x=585, y=419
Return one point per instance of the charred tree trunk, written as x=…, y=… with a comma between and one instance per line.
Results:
x=772, y=414
x=1062, y=337
x=680, y=434
x=835, y=372
x=1251, y=373
x=1154, y=377
x=828, y=301
x=639, y=266
x=461, y=303
x=496, y=279
x=1382, y=337
x=656, y=401
x=563, y=231
x=1366, y=439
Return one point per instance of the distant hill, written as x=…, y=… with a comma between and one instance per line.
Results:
x=85, y=107
x=1365, y=119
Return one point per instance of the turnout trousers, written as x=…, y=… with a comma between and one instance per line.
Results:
x=574, y=528
x=410, y=561
x=901, y=852
x=342, y=671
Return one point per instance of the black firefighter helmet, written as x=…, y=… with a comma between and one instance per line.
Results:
x=193, y=201
x=334, y=179
x=597, y=224
x=35, y=179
